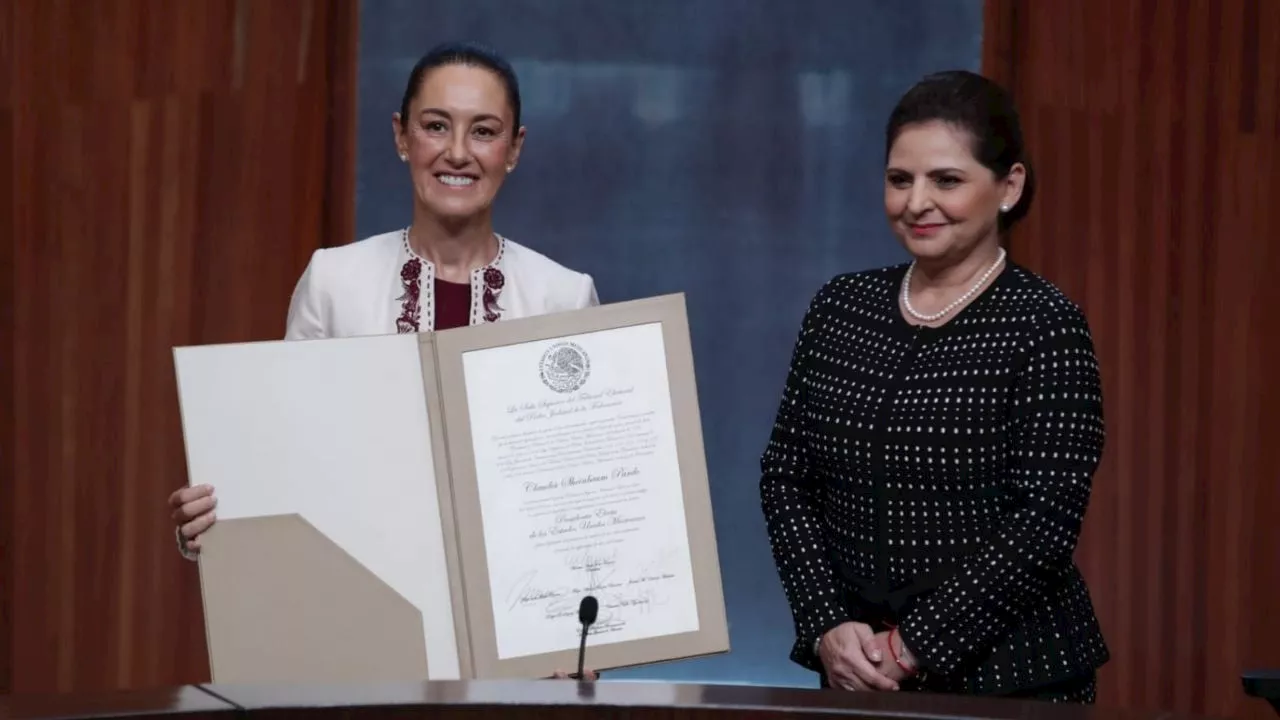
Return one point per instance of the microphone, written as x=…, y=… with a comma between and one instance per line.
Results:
x=587, y=611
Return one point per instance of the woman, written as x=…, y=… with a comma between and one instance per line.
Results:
x=458, y=131
x=926, y=479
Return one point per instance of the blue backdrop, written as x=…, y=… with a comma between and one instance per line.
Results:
x=728, y=149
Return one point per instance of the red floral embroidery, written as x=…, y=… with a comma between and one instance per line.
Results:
x=410, y=309
x=410, y=301
x=494, y=281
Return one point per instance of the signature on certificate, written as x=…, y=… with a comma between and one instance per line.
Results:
x=623, y=592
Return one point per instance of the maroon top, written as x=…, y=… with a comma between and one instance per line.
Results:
x=453, y=304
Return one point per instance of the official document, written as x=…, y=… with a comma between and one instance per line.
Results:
x=441, y=503
x=580, y=489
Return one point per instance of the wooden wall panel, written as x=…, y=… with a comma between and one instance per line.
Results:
x=8, y=427
x=166, y=169
x=1154, y=127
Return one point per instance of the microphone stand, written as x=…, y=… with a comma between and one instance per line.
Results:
x=582, y=652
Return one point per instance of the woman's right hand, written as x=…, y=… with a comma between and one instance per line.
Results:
x=192, y=513
x=850, y=653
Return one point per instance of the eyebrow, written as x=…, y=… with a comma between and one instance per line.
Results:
x=445, y=114
x=935, y=171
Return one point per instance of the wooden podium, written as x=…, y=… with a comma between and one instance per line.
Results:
x=535, y=700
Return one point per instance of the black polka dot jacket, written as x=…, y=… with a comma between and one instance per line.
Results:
x=935, y=479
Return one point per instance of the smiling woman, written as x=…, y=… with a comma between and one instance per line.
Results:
x=932, y=456
x=458, y=131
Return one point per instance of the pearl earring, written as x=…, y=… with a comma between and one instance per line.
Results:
x=1004, y=208
x=404, y=157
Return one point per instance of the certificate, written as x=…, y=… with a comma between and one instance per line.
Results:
x=436, y=506
x=577, y=468
x=579, y=486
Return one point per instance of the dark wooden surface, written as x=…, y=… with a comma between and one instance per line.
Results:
x=540, y=700
x=1154, y=126
x=188, y=701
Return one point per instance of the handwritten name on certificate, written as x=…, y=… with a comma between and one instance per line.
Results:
x=580, y=489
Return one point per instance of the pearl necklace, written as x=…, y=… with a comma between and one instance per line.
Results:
x=906, y=290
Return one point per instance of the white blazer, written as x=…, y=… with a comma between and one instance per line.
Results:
x=355, y=289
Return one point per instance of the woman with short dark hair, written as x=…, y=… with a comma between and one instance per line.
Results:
x=932, y=457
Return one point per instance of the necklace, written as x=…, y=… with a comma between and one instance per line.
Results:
x=906, y=292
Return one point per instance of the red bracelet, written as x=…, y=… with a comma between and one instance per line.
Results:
x=894, y=631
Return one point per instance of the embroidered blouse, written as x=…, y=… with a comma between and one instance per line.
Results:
x=376, y=286
x=447, y=304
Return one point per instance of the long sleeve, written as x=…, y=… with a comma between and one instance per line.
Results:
x=587, y=296
x=790, y=498
x=1056, y=437
x=306, y=320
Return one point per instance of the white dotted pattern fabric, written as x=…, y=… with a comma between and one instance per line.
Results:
x=952, y=465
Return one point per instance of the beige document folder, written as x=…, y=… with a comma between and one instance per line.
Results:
x=351, y=542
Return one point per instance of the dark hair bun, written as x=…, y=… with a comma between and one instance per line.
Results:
x=985, y=110
x=472, y=54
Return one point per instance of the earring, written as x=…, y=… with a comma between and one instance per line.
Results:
x=1004, y=208
x=510, y=168
x=404, y=157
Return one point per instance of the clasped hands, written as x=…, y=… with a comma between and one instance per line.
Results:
x=857, y=658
